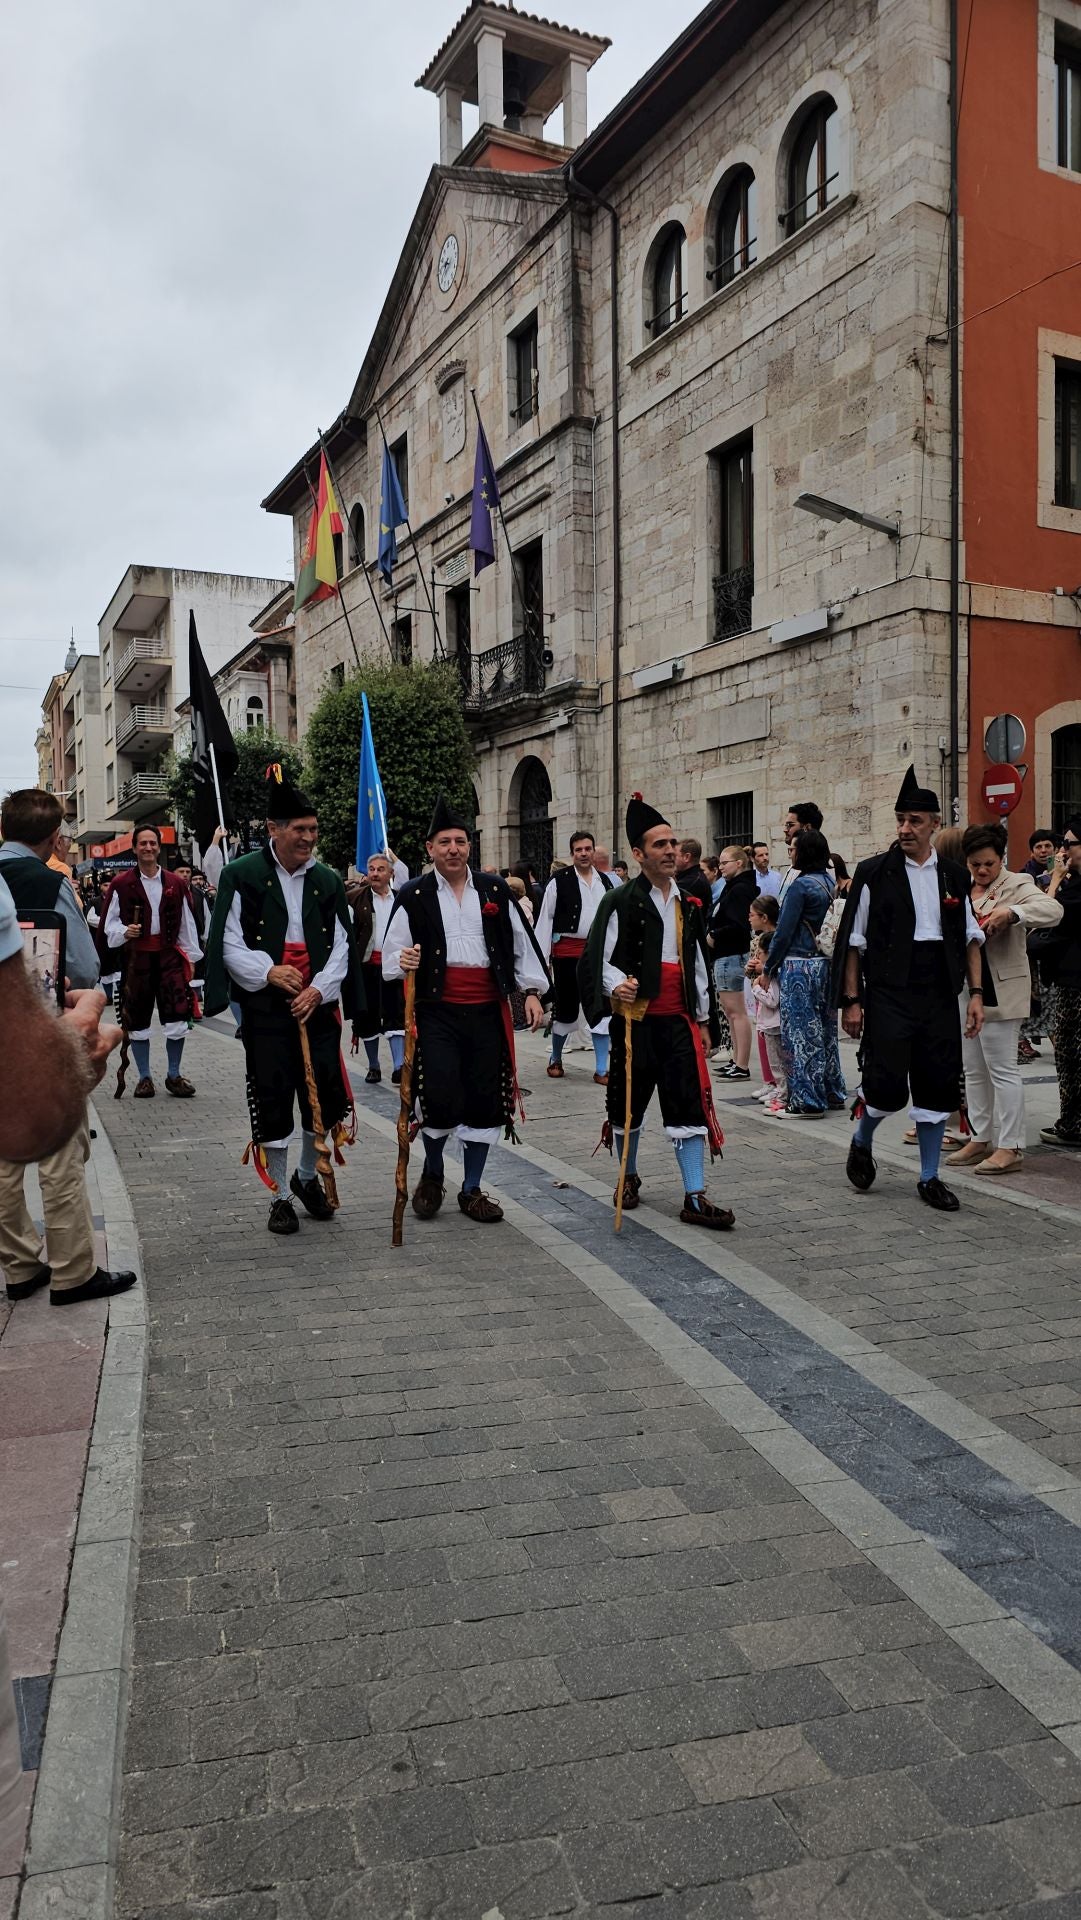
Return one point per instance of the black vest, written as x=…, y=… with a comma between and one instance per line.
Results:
x=31, y=882
x=419, y=901
x=568, y=911
x=891, y=919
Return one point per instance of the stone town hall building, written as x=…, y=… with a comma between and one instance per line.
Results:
x=736, y=292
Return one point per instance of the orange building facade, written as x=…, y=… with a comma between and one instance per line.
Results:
x=1019, y=196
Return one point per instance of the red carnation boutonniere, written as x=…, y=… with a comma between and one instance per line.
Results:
x=693, y=900
x=951, y=900
x=490, y=910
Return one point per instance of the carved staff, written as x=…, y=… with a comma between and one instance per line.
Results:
x=635, y=1011
x=324, y=1166
x=401, y=1176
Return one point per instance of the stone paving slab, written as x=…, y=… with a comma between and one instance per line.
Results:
x=457, y=1598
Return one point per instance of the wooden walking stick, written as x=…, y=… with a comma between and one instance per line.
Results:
x=632, y=1012
x=324, y=1165
x=401, y=1175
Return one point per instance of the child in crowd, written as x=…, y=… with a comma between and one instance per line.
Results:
x=762, y=914
x=767, y=995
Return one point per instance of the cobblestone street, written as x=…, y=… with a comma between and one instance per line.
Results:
x=537, y=1572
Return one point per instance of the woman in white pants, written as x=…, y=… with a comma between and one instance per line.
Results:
x=1008, y=906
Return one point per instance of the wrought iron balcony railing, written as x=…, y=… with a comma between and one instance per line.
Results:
x=141, y=786
x=513, y=671
x=732, y=594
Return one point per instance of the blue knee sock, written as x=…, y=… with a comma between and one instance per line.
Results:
x=474, y=1153
x=559, y=1041
x=306, y=1163
x=141, y=1052
x=930, y=1134
x=397, y=1050
x=601, y=1051
x=237, y=1012
x=865, y=1128
x=691, y=1155
x=174, y=1050
x=632, y=1151
x=433, y=1157
x=371, y=1048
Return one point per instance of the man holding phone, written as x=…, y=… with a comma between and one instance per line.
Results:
x=30, y=820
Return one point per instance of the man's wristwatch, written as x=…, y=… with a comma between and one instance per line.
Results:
x=850, y=1000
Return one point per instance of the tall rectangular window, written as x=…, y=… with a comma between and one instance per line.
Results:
x=731, y=820
x=1068, y=103
x=401, y=640
x=1067, y=434
x=524, y=373
x=733, y=583
x=460, y=631
x=399, y=453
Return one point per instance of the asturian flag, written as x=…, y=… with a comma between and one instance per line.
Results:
x=371, y=801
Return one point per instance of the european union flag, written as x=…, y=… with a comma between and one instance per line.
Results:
x=371, y=800
x=392, y=515
x=485, y=500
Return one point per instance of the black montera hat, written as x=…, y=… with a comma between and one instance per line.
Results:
x=640, y=818
x=283, y=800
x=915, y=799
x=445, y=819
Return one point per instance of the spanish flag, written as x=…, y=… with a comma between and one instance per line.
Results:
x=318, y=578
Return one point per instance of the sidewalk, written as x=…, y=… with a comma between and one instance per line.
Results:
x=533, y=1571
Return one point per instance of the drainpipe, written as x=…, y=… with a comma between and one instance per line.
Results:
x=593, y=491
x=954, y=297
x=595, y=200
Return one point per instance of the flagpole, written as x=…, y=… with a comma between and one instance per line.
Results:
x=363, y=566
x=416, y=552
x=217, y=795
x=499, y=502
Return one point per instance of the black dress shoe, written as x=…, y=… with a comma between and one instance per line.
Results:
x=396, y=1077
x=311, y=1197
x=100, y=1286
x=938, y=1195
x=22, y=1289
x=282, y=1218
x=861, y=1166
x=372, y=1077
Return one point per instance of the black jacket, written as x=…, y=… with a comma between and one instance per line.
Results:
x=729, y=926
x=1068, y=967
x=891, y=923
x=694, y=881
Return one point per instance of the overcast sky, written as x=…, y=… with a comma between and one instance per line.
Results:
x=201, y=205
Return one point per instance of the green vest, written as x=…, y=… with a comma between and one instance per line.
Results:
x=264, y=920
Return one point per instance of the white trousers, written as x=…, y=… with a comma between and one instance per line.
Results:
x=993, y=1086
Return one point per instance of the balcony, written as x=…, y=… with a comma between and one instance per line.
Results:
x=144, y=729
x=732, y=595
x=505, y=674
x=142, y=666
x=69, y=744
x=141, y=793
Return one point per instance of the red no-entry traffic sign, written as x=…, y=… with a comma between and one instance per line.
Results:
x=1000, y=789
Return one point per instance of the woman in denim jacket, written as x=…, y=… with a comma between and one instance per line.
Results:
x=808, y=1022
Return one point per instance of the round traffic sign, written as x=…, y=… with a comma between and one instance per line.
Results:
x=1005, y=738
x=1000, y=788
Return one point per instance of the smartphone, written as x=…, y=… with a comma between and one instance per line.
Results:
x=44, y=950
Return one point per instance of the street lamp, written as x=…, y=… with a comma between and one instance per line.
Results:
x=816, y=503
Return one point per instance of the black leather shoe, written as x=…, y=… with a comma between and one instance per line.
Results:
x=861, y=1166
x=22, y=1289
x=938, y=1195
x=396, y=1077
x=372, y=1077
x=311, y=1197
x=100, y=1286
x=282, y=1218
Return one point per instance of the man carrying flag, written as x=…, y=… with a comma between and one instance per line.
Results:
x=318, y=577
x=392, y=515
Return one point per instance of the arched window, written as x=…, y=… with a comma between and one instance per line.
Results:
x=1065, y=776
x=256, y=715
x=534, y=827
x=668, y=291
x=356, y=536
x=736, y=238
x=813, y=165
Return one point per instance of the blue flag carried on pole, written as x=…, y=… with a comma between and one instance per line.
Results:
x=485, y=500
x=392, y=515
x=371, y=800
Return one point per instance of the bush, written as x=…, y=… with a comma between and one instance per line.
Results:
x=421, y=745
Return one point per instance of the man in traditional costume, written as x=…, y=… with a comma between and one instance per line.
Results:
x=281, y=933
x=470, y=948
x=646, y=953
x=570, y=902
x=384, y=1000
x=906, y=946
x=149, y=926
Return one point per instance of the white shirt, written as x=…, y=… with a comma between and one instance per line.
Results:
x=249, y=966
x=464, y=930
x=592, y=890
x=382, y=908
x=187, y=939
x=612, y=977
x=923, y=886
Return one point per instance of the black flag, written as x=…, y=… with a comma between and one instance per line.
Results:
x=209, y=728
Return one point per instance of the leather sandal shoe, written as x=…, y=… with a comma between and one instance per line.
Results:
x=477, y=1206
x=555, y=1071
x=427, y=1197
x=1003, y=1160
x=100, y=1286
x=22, y=1289
x=705, y=1214
x=180, y=1088
x=936, y=1194
x=631, y=1188
x=145, y=1090
x=861, y=1166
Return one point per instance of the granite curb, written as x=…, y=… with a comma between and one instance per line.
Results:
x=75, y=1825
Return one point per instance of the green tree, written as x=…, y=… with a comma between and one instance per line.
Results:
x=421, y=745
x=248, y=787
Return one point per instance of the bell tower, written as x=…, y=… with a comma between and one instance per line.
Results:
x=516, y=69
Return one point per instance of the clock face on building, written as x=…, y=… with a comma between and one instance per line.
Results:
x=448, y=263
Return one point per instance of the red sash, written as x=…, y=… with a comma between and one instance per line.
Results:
x=147, y=943
x=376, y=959
x=295, y=954
x=470, y=987
x=568, y=947
x=670, y=1000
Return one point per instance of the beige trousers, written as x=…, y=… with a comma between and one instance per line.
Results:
x=69, y=1225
